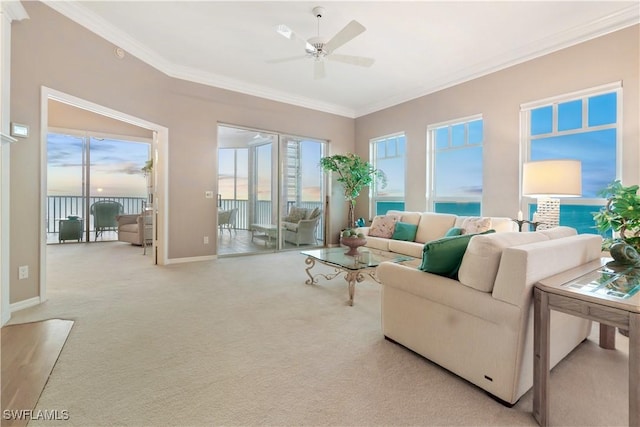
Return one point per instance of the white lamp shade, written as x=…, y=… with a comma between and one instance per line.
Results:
x=552, y=178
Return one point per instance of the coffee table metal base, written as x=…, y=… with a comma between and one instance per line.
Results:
x=351, y=276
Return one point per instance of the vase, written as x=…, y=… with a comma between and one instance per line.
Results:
x=624, y=254
x=353, y=243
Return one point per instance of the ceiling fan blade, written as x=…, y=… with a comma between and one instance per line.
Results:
x=289, y=34
x=353, y=60
x=318, y=70
x=350, y=31
x=287, y=59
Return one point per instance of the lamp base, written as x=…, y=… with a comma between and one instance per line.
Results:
x=548, y=213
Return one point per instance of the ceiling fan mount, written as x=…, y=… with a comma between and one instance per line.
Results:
x=319, y=48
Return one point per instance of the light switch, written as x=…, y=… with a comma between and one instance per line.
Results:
x=208, y=194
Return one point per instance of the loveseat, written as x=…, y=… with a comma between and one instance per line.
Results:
x=299, y=226
x=478, y=323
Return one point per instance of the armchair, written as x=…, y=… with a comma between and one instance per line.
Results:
x=104, y=215
x=300, y=226
x=135, y=228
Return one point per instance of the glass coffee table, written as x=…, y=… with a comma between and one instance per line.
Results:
x=353, y=267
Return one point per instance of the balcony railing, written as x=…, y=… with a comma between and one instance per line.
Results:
x=263, y=213
x=59, y=207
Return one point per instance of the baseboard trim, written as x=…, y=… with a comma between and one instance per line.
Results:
x=191, y=259
x=21, y=305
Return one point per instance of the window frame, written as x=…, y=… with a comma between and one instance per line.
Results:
x=431, y=197
x=554, y=101
x=373, y=151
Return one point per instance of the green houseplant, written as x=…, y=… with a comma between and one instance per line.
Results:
x=621, y=214
x=354, y=174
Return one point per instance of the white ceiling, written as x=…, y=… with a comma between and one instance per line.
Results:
x=419, y=46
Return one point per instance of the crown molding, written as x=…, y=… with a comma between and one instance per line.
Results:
x=13, y=10
x=616, y=21
x=104, y=29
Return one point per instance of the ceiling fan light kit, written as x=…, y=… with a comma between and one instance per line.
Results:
x=319, y=48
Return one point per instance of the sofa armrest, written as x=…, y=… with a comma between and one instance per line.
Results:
x=447, y=292
x=127, y=219
x=363, y=230
x=307, y=224
x=523, y=266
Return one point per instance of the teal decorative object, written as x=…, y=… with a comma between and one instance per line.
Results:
x=625, y=254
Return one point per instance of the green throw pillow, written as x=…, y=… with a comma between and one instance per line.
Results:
x=444, y=256
x=405, y=231
x=454, y=231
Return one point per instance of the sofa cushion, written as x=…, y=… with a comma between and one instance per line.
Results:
x=481, y=260
x=296, y=214
x=454, y=231
x=443, y=256
x=408, y=217
x=313, y=213
x=433, y=225
x=404, y=231
x=402, y=247
x=383, y=226
x=290, y=226
x=474, y=225
x=379, y=243
x=558, y=232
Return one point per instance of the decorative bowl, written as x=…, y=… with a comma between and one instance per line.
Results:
x=353, y=243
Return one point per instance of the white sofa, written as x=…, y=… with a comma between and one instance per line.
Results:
x=480, y=326
x=431, y=226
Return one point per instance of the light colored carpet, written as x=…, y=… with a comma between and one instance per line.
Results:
x=243, y=341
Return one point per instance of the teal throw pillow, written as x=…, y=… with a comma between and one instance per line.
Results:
x=444, y=256
x=405, y=231
x=454, y=231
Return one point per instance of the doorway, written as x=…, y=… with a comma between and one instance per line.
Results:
x=159, y=150
x=262, y=178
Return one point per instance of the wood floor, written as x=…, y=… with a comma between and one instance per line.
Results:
x=29, y=353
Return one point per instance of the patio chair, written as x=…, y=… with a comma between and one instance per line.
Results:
x=227, y=220
x=104, y=216
x=300, y=226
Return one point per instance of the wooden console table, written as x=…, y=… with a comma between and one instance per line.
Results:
x=597, y=293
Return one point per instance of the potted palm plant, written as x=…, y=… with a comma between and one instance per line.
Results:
x=354, y=174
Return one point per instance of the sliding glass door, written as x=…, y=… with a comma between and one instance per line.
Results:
x=261, y=177
x=302, y=191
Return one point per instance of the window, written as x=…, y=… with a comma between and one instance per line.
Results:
x=455, y=159
x=388, y=154
x=233, y=176
x=582, y=126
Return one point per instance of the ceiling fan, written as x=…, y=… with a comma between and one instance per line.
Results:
x=318, y=48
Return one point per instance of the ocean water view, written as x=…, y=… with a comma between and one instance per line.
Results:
x=579, y=217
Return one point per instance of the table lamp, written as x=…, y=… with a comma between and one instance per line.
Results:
x=548, y=180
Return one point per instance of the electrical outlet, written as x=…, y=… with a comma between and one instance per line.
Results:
x=23, y=272
x=206, y=240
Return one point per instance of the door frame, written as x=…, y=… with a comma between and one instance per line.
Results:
x=160, y=149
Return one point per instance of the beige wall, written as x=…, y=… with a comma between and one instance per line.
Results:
x=498, y=97
x=50, y=50
x=66, y=116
